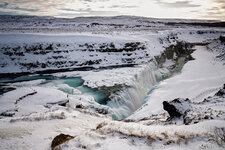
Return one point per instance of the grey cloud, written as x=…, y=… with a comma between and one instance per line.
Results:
x=67, y=9
x=221, y=4
x=78, y=10
x=71, y=8
x=35, y=4
x=8, y=6
x=177, y=4
x=87, y=13
x=4, y=5
x=194, y=11
x=95, y=0
x=122, y=6
x=25, y=9
x=219, y=1
x=10, y=13
x=217, y=12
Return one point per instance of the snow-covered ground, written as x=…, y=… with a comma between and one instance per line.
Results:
x=198, y=79
x=108, y=69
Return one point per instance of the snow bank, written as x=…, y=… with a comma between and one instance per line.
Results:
x=199, y=79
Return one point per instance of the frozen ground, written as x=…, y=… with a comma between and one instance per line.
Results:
x=107, y=69
x=107, y=25
x=198, y=79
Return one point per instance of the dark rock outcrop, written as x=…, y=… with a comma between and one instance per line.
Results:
x=221, y=92
x=174, y=52
x=5, y=89
x=60, y=139
x=80, y=106
x=192, y=112
x=222, y=38
x=177, y=107
x=22, y=97
x=8, y=114
x=204, y=24
x=56, y=57
x=60, y=103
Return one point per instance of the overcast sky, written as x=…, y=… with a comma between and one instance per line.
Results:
x=187, y=9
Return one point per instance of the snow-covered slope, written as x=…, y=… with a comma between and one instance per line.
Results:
x=199, y=79
x=30, y=52
x=34, y=24
x=107, y=69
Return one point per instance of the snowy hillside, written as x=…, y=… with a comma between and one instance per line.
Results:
x=111, y=83
x=33, y=24
x=30, y=52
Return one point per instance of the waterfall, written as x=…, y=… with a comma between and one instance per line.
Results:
x=125, y=102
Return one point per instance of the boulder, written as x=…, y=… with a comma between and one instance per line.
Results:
x=194, y=112
x=221, y=92
x=177, y=107
x=60, y=139
x=60, y=103
x=5, y=89
x=222, y=38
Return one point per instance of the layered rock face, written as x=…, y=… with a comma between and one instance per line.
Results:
x=191, y=112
